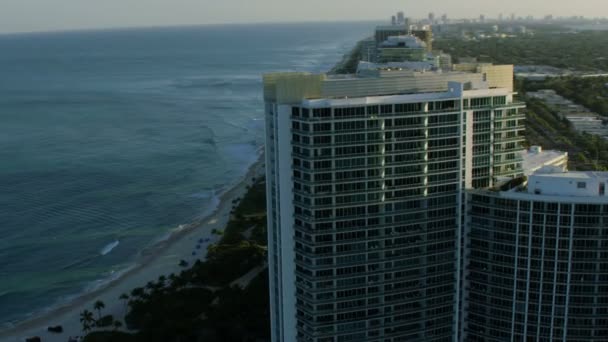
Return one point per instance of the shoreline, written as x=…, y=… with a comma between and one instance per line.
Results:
x=37, y=324
x=161, y=258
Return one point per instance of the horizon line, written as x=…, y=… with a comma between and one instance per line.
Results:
x=144, y=27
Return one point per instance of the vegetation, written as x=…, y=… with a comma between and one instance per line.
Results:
x=581, y=51
x=105, y=321
x=203, y=303
x=98, y=305
x=591, y=92
x=249, y=218
x=87, y=320
x=350, y=62
x=109, y=336
x=584, y=51
x=544, y=127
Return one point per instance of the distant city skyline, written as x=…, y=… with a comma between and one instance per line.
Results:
x=40, y=15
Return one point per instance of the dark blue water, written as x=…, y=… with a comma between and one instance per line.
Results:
x=122, y=135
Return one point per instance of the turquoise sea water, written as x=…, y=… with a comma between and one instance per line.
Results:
x=110, y=139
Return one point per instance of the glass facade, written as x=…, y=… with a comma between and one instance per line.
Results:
x=538, y=269
x=376, y=206
x=375, y=199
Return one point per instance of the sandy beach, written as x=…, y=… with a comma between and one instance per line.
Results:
x=160, y=259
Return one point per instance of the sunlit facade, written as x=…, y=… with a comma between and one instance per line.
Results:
x=366, y=176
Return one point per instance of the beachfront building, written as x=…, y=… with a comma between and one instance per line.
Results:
x=401, y=41
x=401, y=48
x=382, y=32
x=538, y=260
x=365, y=179
x=424, y=33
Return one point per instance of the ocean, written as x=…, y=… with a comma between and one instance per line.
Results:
x=109, y=140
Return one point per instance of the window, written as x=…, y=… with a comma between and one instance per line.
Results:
x=349, y=112
x=386, y=109
x=581, y=185
x=321, y=112
x=481, y=102
x=408, y=108
x=295, y=112
x=322, y=127
x=372, y=110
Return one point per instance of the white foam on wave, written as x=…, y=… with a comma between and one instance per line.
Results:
x=212, y=205
x=63, y=301
x=108, y=278
x=109, y=247
x=212, y=202
x=207, y=194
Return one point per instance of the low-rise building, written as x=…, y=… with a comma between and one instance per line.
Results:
x=536, y=158
x=582, y=119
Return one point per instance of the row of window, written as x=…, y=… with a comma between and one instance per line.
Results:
x=400, y=108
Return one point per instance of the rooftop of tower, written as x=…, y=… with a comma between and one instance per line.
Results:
x=552, y=183
x=404, y=41
x=382, y=80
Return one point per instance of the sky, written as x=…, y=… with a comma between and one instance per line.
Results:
x=48, y=15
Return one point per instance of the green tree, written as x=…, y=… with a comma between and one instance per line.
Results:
x=138, y=292
x=87, y=320
x=117, y=325
x=98, y=306
x=162, y=280
x=125, y=298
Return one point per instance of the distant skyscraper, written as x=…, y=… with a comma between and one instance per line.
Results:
x=432, y=17
x=482, y=18
x=500, y=17
x=444, y=18
x=400, y=17
x=512, y=16
x=393, y=20
x=365, y=180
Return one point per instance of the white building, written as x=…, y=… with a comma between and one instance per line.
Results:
x=553, y=181
x=365, y=179
x=538, y=260
x=536, y=158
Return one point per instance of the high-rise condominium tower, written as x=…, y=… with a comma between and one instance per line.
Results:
x=539, y=260
x=365, y=179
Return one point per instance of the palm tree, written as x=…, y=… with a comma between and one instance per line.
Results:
x=150, y=285
x=138, y=292
x=125, y=298
x=172, y=279
x=86, y=318
x=161, y=281
x=98, y=306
